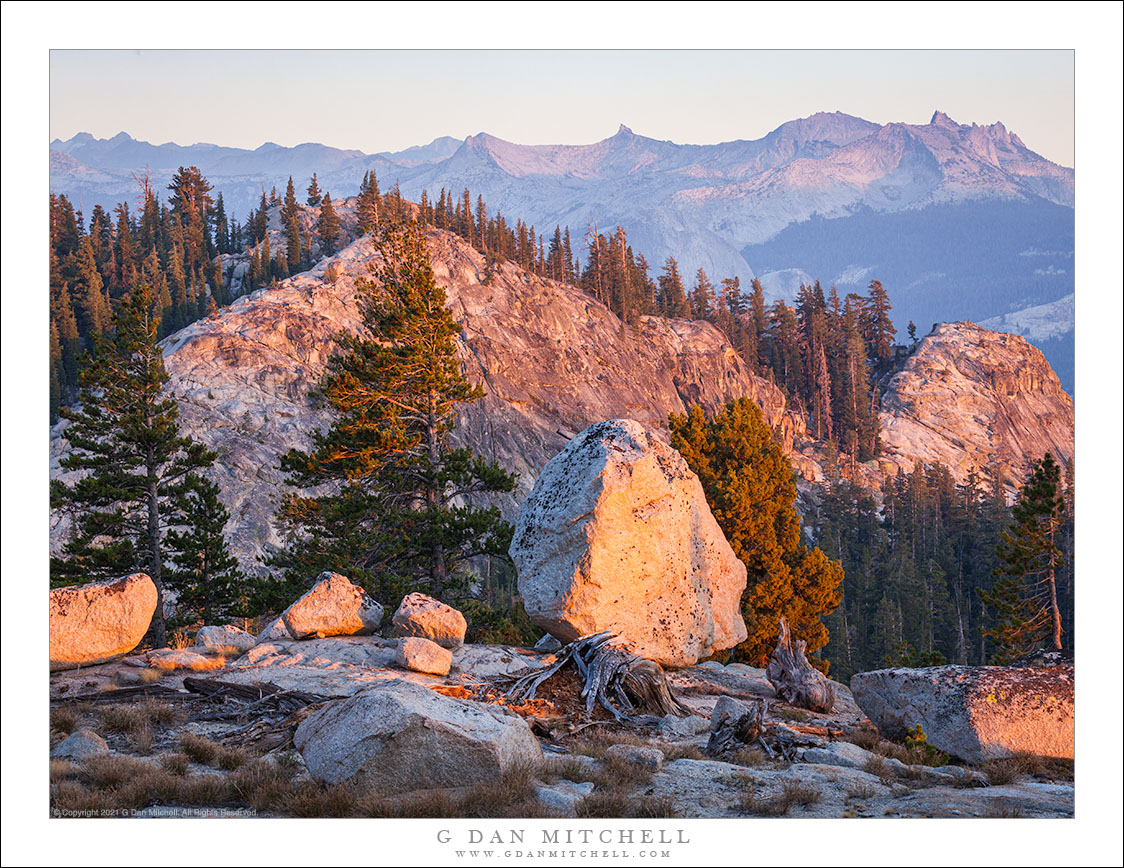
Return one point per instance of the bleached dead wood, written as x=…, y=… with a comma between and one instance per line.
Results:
x=629, y=687
x=795, y=680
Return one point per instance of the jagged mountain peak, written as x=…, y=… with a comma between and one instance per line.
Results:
x=940, y=119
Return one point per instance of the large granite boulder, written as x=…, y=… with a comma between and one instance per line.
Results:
x=427, y=618
x=401, y=737
x=332, y=607
x=976, y=713
x=97, y=622
x=617, y=535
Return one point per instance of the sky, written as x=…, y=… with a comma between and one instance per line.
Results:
x=388, y=100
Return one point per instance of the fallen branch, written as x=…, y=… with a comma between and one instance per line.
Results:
x=146, y=691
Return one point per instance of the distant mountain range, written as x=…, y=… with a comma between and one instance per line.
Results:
x=958, y=221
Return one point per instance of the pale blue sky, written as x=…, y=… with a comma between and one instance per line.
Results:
x=389, y=100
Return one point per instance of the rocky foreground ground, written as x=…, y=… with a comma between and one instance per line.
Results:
x=146, y=735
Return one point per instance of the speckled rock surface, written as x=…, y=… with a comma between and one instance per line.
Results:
x=617, y=535
x=97, y=622
x=976, y=713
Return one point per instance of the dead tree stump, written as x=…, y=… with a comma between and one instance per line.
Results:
x=627, y=686
x=796, y=681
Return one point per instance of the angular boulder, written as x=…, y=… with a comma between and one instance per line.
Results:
x=422, y=655
x=226, y=636
x=400, y=737
x=617, y=535
x=97, y=622
x=976, y=713
x=427, y=618
x=332, y=607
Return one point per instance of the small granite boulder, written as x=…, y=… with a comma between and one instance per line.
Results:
x=80, y=744
x=226, y=636
x=637, y=755
x=332, y=607
x=427, y=618
x=422, y=655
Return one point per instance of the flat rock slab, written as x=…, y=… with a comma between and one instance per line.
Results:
x=975, y=713
x=707, y=788
x=171, y=659
x=344, y=665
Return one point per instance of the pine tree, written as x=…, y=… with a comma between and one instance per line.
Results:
x=392, y=524
x=1025, y=596
x=880, y=328
x=125, y=435
x=327, y=226
x=367, y=205
x=290, y=218
x=313, y=192
x=205, y=576
x=750, y=487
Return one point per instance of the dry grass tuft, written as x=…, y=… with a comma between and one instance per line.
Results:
x=1003, y=809
x=777, y=804
x=199, y=749
x=111, y=770
x=309, y=799
x=1004, y=771
x=175, y=763
x=861, y=791
x=737, y=781
x=63, y=720
x=596, y=740
x=571, y=769
x=61, y=769
x=141, y=740
x=203, y=664
x=231, y=758
x=433, y=804
x=673, y=752
x=134, y=718
x=801, y=794
x=150, y=676
x=263, y=784
x=750, y=757
x=512, y=795
x=618, y=805
x=617, y=773
x=879, y=768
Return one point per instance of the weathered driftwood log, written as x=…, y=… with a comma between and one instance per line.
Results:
x=627, y=686
x=796, y=681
